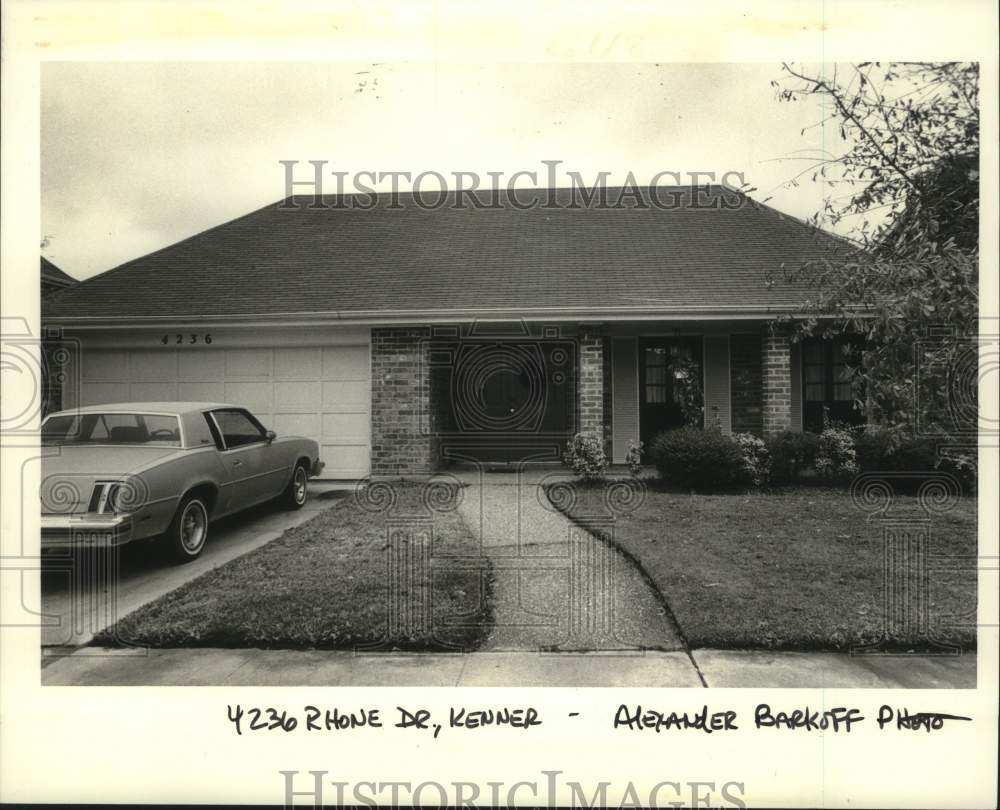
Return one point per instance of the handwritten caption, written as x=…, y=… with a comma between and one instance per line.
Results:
x=839, y=719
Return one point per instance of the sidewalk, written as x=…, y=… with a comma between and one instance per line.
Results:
x=93, y=666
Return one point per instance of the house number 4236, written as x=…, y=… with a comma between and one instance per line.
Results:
x=188, y=339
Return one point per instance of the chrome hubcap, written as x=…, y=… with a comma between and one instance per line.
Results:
x=194, y=522
x=300, y=485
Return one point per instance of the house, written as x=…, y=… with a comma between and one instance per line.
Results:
x=405, y=337
x=54, y=279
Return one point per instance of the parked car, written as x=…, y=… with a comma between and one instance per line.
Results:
x=112, y=474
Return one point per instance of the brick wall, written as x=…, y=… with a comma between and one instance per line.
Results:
x=746, y=383
x=776, y=373
x=402, y=442
x=591, y=382
x=606, y=400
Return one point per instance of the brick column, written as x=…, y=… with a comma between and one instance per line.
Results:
x=607, y=400
x=591, y=381
x=402, y=442
x=776, y=379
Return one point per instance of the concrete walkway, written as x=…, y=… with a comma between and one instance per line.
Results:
x=84, y=593
x=557, y=587
x=94, y=666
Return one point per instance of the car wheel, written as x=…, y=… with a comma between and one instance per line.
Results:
x=188, y=531
x=297, y=494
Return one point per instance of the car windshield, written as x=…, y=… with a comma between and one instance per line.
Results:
x=112, y=428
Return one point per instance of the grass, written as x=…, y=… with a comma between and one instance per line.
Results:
x=324, y=585
x=798, y=569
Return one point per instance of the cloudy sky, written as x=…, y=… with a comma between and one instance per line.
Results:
x=136, y=156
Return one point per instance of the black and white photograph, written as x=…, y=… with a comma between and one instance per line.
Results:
x=680, y=416
x=660, y=384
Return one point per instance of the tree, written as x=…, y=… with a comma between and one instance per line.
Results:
x=909, y=154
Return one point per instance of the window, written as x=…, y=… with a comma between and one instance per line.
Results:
x=112, y=428
x=826, y=382
x=239, y=428
x=814, y=365
x=841, y=374
x=670, y=383
x=656, y=374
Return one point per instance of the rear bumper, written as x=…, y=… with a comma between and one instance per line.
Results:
x=317, y=468
x=87, y=531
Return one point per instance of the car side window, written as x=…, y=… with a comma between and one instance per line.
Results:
x=216, y=436
x=99, y=429
x=239, y=428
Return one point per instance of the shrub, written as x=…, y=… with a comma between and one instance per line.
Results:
x=699, y=459
x=791, y=453
x=585, y=456
x=835, y=457
x=633, y=457
x=917, y=454
x=756, y=458
x=880, y=449
x=872, y=447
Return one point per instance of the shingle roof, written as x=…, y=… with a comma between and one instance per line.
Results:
x=293, y=259
x=53, y=275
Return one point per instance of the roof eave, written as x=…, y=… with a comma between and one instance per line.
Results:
x=379, y=317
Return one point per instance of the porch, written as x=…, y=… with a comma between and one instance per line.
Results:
x=507, y=393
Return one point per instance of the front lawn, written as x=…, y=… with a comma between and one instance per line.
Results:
x=324, y=584
x=792, y=569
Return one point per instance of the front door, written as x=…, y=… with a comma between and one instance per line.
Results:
x=665, y=364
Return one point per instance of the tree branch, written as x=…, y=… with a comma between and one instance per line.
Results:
x=850, y=116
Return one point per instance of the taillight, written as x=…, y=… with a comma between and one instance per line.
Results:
x=125, y=496
x=104, y=499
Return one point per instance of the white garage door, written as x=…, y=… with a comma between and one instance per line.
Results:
x=321, y=392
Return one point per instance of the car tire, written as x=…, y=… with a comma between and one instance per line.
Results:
x=188, y=531
x=297, y=492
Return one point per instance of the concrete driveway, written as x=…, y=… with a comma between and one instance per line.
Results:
x=84, y=593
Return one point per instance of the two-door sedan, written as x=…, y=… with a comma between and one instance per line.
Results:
x=116, y=473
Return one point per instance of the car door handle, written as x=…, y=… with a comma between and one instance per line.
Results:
x=237, y=463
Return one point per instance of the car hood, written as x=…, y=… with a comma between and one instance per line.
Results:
x=70, y=472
